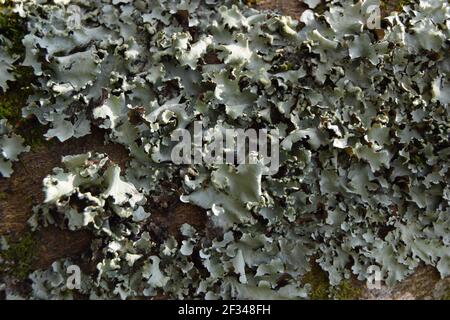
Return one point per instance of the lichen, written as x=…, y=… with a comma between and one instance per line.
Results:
x=362, y=179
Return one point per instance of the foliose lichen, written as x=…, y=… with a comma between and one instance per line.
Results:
x=364, y=153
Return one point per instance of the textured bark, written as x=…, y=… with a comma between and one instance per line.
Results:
x=293, y=8
x=425, y=283
x=24, y=190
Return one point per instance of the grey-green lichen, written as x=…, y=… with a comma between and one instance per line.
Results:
x=364, y=152
x=11, y=146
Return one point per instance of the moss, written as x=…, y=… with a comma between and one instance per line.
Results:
x=322, y=290
x=18, y=258
x=12, y=101
x=11, y=104
x=251, y=2
x=402, y=3
x=286, y=67
x=346, y=291
x=321, y=8
x=388, y=6
x=446, y=296
x=10, y=107
x=12, y=27
x=318, y=280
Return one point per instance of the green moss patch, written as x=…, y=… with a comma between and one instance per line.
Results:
x=12, y=101
x=18, y=258
x=322, y=290
x=318, y=280
x=346, y=291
